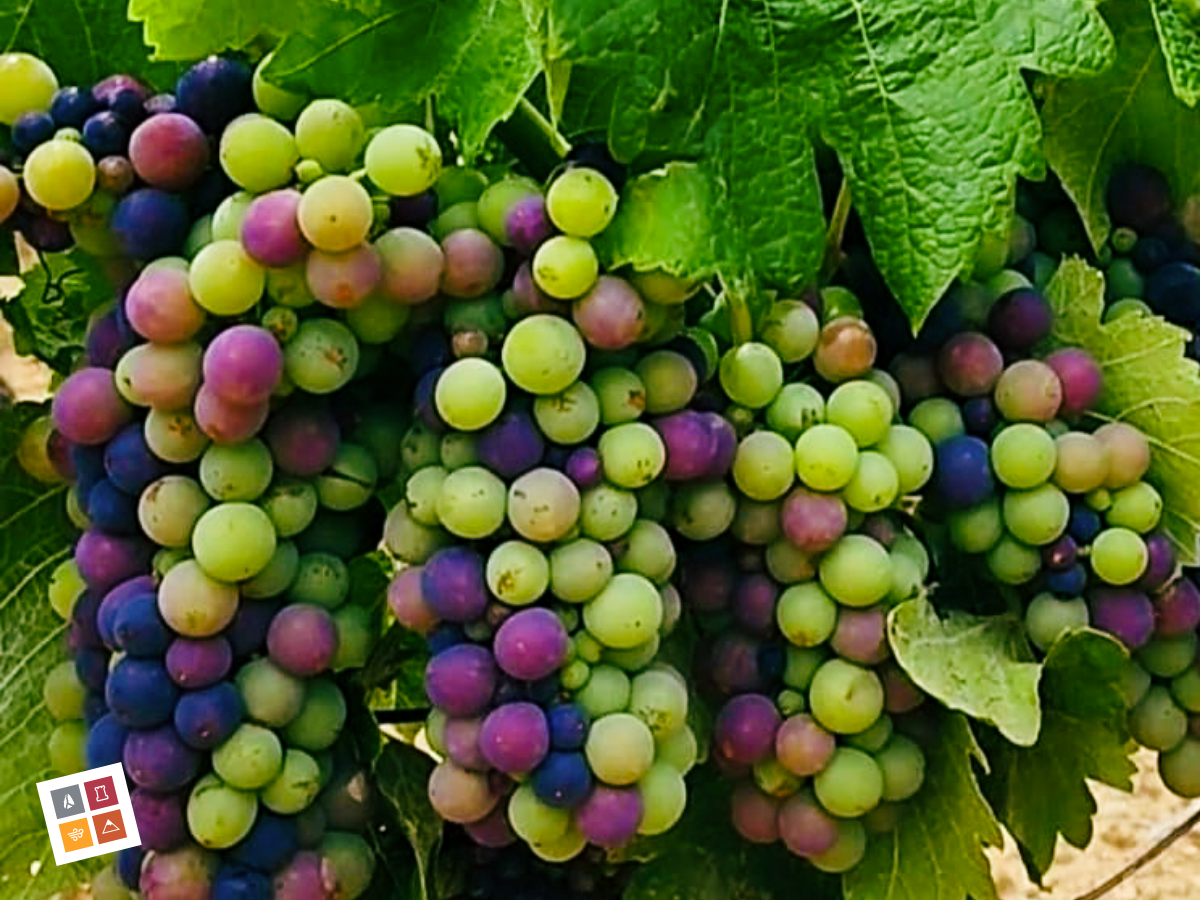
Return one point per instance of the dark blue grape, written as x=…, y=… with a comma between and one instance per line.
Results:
x=1149, y=253
x=205, y=718
x=1069, y=582
x=105, y=342
x=129, y=105
x=944, y=322
x=114, y=600
x=106, y=134
x=32, y=129
x=542, y=691
x=270, y=843
x=214, y=92
x=150, y=223
x=771, y=660
x=508, y=690
x=1085, y=523
x=512, y=445
x=129, y=462
x=129, y=866
x=963, y=473
x=105, y=742
x=414, y=212
x=247, y=633
x=444, y=637
x=88, y=462
x=979, y=415
x=94, y=707
x=111, y=509
x=83, y=617
x=139, y=629
x=429, y=349
x=1174, y=291
x=1139, y=197
x=42, y=232
x=140, y=693
x=563, y=780
x=240, y=883
x=1019, y=319
x=568, y=726
x=423, y=401
x=71, y=106
x=207, y=193
x=91, y=666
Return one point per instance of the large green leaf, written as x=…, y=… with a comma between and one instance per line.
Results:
x=82, y=40
x=1040, y=792
x=1127, y=113
x=1148, y=382
x=187, y=29
x=35, y=536
x=1179, y=33
x=979, y=665
x=401, y=776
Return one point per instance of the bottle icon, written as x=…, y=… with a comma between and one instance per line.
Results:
x=101, y=793
x=68, y=803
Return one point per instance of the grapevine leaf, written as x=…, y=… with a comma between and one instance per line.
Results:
x=84, y=40
x=401, y=775
x=1179, y=34
x=1149, y=383
x=936, y=850
x=186, y=29
x=1127, y=113
x=978, y=665
x=1058, y=37
x=1040, y=792
x=396, y=669
x=35, y=536
x=49, y=316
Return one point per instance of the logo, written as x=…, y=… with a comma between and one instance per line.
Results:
x=88, y=814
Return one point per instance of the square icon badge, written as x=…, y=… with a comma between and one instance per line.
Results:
x=88, y=814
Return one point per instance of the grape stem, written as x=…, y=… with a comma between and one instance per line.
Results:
x=836, y=231
x=533, y=139
x=1147, y=856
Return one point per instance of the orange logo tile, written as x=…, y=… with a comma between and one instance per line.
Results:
x=76, y=834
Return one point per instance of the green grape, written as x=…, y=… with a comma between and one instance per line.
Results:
x=1119, y=556
x=219, y=815
x=224, y=279
x=533, y=821
x=806, y=615
x=408, y=540
x=321, y=579
x=331, y=132
x=802, y=664
x=903, y=767
x=632, y=454
x=796, y=408
x=588, y=649
x=628, y=611
x=647, y=549
x=1012, y=562
x=679, y=750
x=65, y=588
x=404, y=160
x=377, y=320
x=850, y=785
x=275, y=577
x=291, y=505
x=543, y=505
x=356, y=634
x=938, y=418
x=258, y=153
x=1179, y=768
x=107, y=885
x=457, y=450
x=1156, y=721
x=574, y=675
x=664, y=798
x=456, y=218
x=335, y=214
x=764, y=466
x=751, y=375
x=581, y=202
x=670, y=381
x=495, y=200
x=863, y=408
x=791, y=328
x=789, y=564
x=561, y=850
x=875, y=484
x=63, y=692
x=1185, y=689
x=229, y=216
x=1135, y=682
x=352, y=861
x=634, y=659
x=275, y=101
x=845, y=698
x=470, y=394
x=857, y=571
x=67, y=747
x=847, y=851
x=472, y=503
x=59, y=175
x=826, y=456
x=29, y=86
x=295, y=787
x=702, y=510
x=1048, y=618
x=873, y=739
x=621, y=394
x=570, y=417
x=422, y=491
x=518, y=573
x=236, y=471
x=619, y=748
x=1168, y=657
x=579, y=569
x=607, y=512
x=543, y=354
x=907, y=580
x=911, y=454
x=659, y=697
x=322, y=357
x=289, y=287
x=249, y=758
x=1137, y=507
x=1037, y=517
x=1024, y=456
x=977, y=529
x=233, y=541
x=565, y=267
x=909, y=545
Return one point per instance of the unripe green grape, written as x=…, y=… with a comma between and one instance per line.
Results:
x=403, y=160
x=1037, y=517
x=258, y=153
x=911, y=454
x=1012, y=562
x=1137, y=507
x=978, y=528
x=331, y=132
x=1119, y=556
x=565, y=267
x=751, y=374
x=581, y=202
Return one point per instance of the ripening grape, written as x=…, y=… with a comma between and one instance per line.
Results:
x=403, y=160
x=258, y=153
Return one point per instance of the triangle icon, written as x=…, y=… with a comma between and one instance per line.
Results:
x=109, y=827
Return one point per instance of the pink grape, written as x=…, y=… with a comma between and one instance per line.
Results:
x=270, y=232
x=612, y=315
x=1081, y=377
x=305, y=877
x=1177, y=608
x=861, y=636
x=970, y=364
x=160, y=307
x=243, y=365
x=302, y=639
x=408, y=603
x=303, y=437
x=460, y=796
x=473, y=263
x=531, y=644
x=610, y=816
x=1128, y=453
x=183, y=874
x=900, y=693
x=802, y=746
x=515, y=737
x=343, y=280
x=755, y=815
x=745, y=728
x=460, y=737
x=227, y=423
x=87, y=408
x=412, y=265
x=461, y=680
x=806, y=829
x=169, y=151
x=754, y=604
x=492, y=830
x=813, y=522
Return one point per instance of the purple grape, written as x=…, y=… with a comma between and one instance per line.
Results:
x=87, y=408
x=159, y=761
x=531, y=644
x=270, y=843
x=473, y=263
x=1060, y=555
x=745, y=728
x=525, y=298
x=106, y=560
x=1126, y=614
x=861, y=636
x=611, y=315
x=754, y=601
x=71, y=106
x=106, y=134
x=104, y=342
x=584, y=468
x=160, y=819
x=105, y=613
x=1174, y=291
x=813, y=522
x=303, y=437
x=969, y=364
x=461, y=680
x=150, y=223
x=106, y=741
x=108, y=89
x=160, y=104
x=512, y=445
x=691, y=443
x=270, y=232
x=169, y=151
x=139, y=693
x=138, y=628
x=980, y=416
x=302, y=639
x=460, y=737
x=526, y=224
x=243, y=365
x=214, y=92
x=802, y=746
x=206, y=718
x=415, y=211
x=198, y=663
x=1160, y=565
x=247, y=633
x=1177, y=608
x=610, y=817
x=492, y=830
x=453, y=584
x=805, y=828
x=725, y=444
x=1081, y=378
x=1020, y=319
x=963, y=473
x=563, y=780
x=111, y=510
x=514, y=738
x=42, y=232
x=1138, y=196
x=183, y=874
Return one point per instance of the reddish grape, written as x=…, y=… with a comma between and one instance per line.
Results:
x=1081, y=377
x=270, y=232
x=243, y=365
x=610, y=816
x=408, y=603
x=745, y=728
x=227, y=423
x=813, y=522
x=303, y=437
x=473, y=263
x=302, y=639
x=611, y=315
x=755, y=815
x=169, y=151
x=846, y=349
x=160, y=307
x=343, y=280
x=1020, y=319
x=87, y=408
